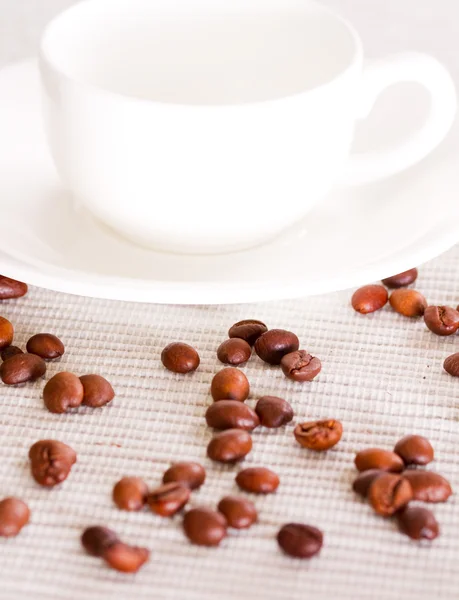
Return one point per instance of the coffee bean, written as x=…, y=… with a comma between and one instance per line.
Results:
x=234, y=351
x=300, y=541
x=125, y=558
x=169, y=498
x=51, y=461
x=319, y=435
x=97, y=391
x=300, y=366
x=96, y=540
x=414, y=450
x=189, y=473
x=180, y=358
x=408, y=303
x=46, y=345
x=14, y=515
x=402, y=279
x=22, y=368
x=6, y=333
x=248, y=330
x=258, y=480
x=376, y=458
x=273, y=411
x=230, y=384
x=428, y=486
x=362, y=483
x=10, y=288
x=10, y=351
x=130, y=493
x=451, y=364
x=204, y=527
x=62, y=392
x=388, y=493
x=442, y=320
x=231, y=414
x=229, y=446
x=274, y=344
x=418, y=523
x=239, y=512
x=369, y=298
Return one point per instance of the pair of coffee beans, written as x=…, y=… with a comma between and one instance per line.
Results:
x=105, y=543
x=66, y=390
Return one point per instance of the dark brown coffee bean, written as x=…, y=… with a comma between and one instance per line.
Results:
x=14, y=515
x=362, y=483
x=169, y=498
x=274, y=344
x=46, y=345
x=189, y=473
x=10, y=351
x=258, y=480
x=418, y=523
x=6, y=333
x=130, y=493
x=414, y=450
x=451, y=364
x=96, y=540
x=239, y=512
x=10, y=288
x=428, y=486
x=180, y=358
x=388, y=493
x=369, y=298
x=408, y=303
x=300, y=366
x=204, y=527
x=51, y=461
x=319, y=435
x=300, y=541
x=248, y=330
x=234, y=351
x=442, y=320
x=97, y=391
x=22, y=368
x=63, y=391
x=125, y=558
x=231, y=414
x=230, y=384
x=402, y=279
x=229, y=446
x=273, y=411
x=376, y=458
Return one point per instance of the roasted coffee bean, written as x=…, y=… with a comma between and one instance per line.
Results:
x=408, y=303
x=248, y=330
x=239, y=512
x=369, y=298
x=300, y=366
x=362, y=483
x=234, y=351
x=22, y=368
x=97, y=391
x=169, y=498
x=451, y=365
x=414, y=450
x=130, y=493
x=418, y=523
x=442, y=320
x=204, y=527
x=63, y=391
x=300, y=541
x=180, y=358
x=273, y=411
x=6, y=333
x=274, y=344
x=46, y=345
x=125, y=558
x=376, y=458
x=402, y=279
x=230, y=384
x=189, y=473
x=96, y=540
x=231, y=414
x=10, y=351
x=319, y=435
x=258, y=480
x=229, y=446
x=388, y=493
x=428, y=486
x=51, y=461
x=14, y=515
x=10, y=288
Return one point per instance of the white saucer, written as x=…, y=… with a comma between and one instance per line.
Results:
x=353, y=237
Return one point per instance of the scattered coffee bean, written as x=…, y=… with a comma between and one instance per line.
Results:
x=418, y=523
x=6, y=333
x=414, y=450
x=96, y=540
x=388, y=493
x=273, y=411
x=97, y=391
x=451, y=364
x=408, y=303
x=234, y=352
x=189, y=473
x=51, y=462
x=258, y=480
x=248, y=330
x=130, y=493
x=362, y=483
x=21, y=368
x=10, y=351
x=376, y=458
x=125, y=558
x=169, y=498
x=204, y=527
x=369, y=298
x=10, y=288
x=46, y=345
x=229, y=446
x=239, y=512
x=231, y=414
x=319, y=435
x=180, y=358
x=63, y=391
x=428, y=486
x=14, y=515
x=442, y=320
x=300, y=366
x=274, y=344
x=300, y=541
x=402, y=279
x=230, y=384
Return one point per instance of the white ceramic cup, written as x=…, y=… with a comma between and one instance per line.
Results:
x=212, y=125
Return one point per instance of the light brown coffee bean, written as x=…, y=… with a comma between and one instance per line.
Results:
x=46, y=345
x=51, y=462
x=362, y=483
x=451, y=364
x=414, y=450
x=229, y=446
x=130, y=493
x=418, y=523
x=402, y=279
x=6, y=333
x=97, y=391
x=248, y=330
x=276, y=343
x=258, y=480
x=230, y=384
x=376, y=458
x=369, y=299
x=319, y=435
x=169, y=498
x=10, y=351
x=204, y=527
x=125, y=558
x=441, y=320
x=299, y=540
x=180, y=358
x=231, y=414
x=10, y=288
x=408, y=303
x=388, y=493
x=14, y=515
x=62, y=392
x=234, y=352
x=189, y=473
x=428, y=486
x=273, y=411
x=300, y=366
x=22, y=368
x=240, y=513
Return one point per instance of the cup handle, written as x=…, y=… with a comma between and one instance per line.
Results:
x=377, y=76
